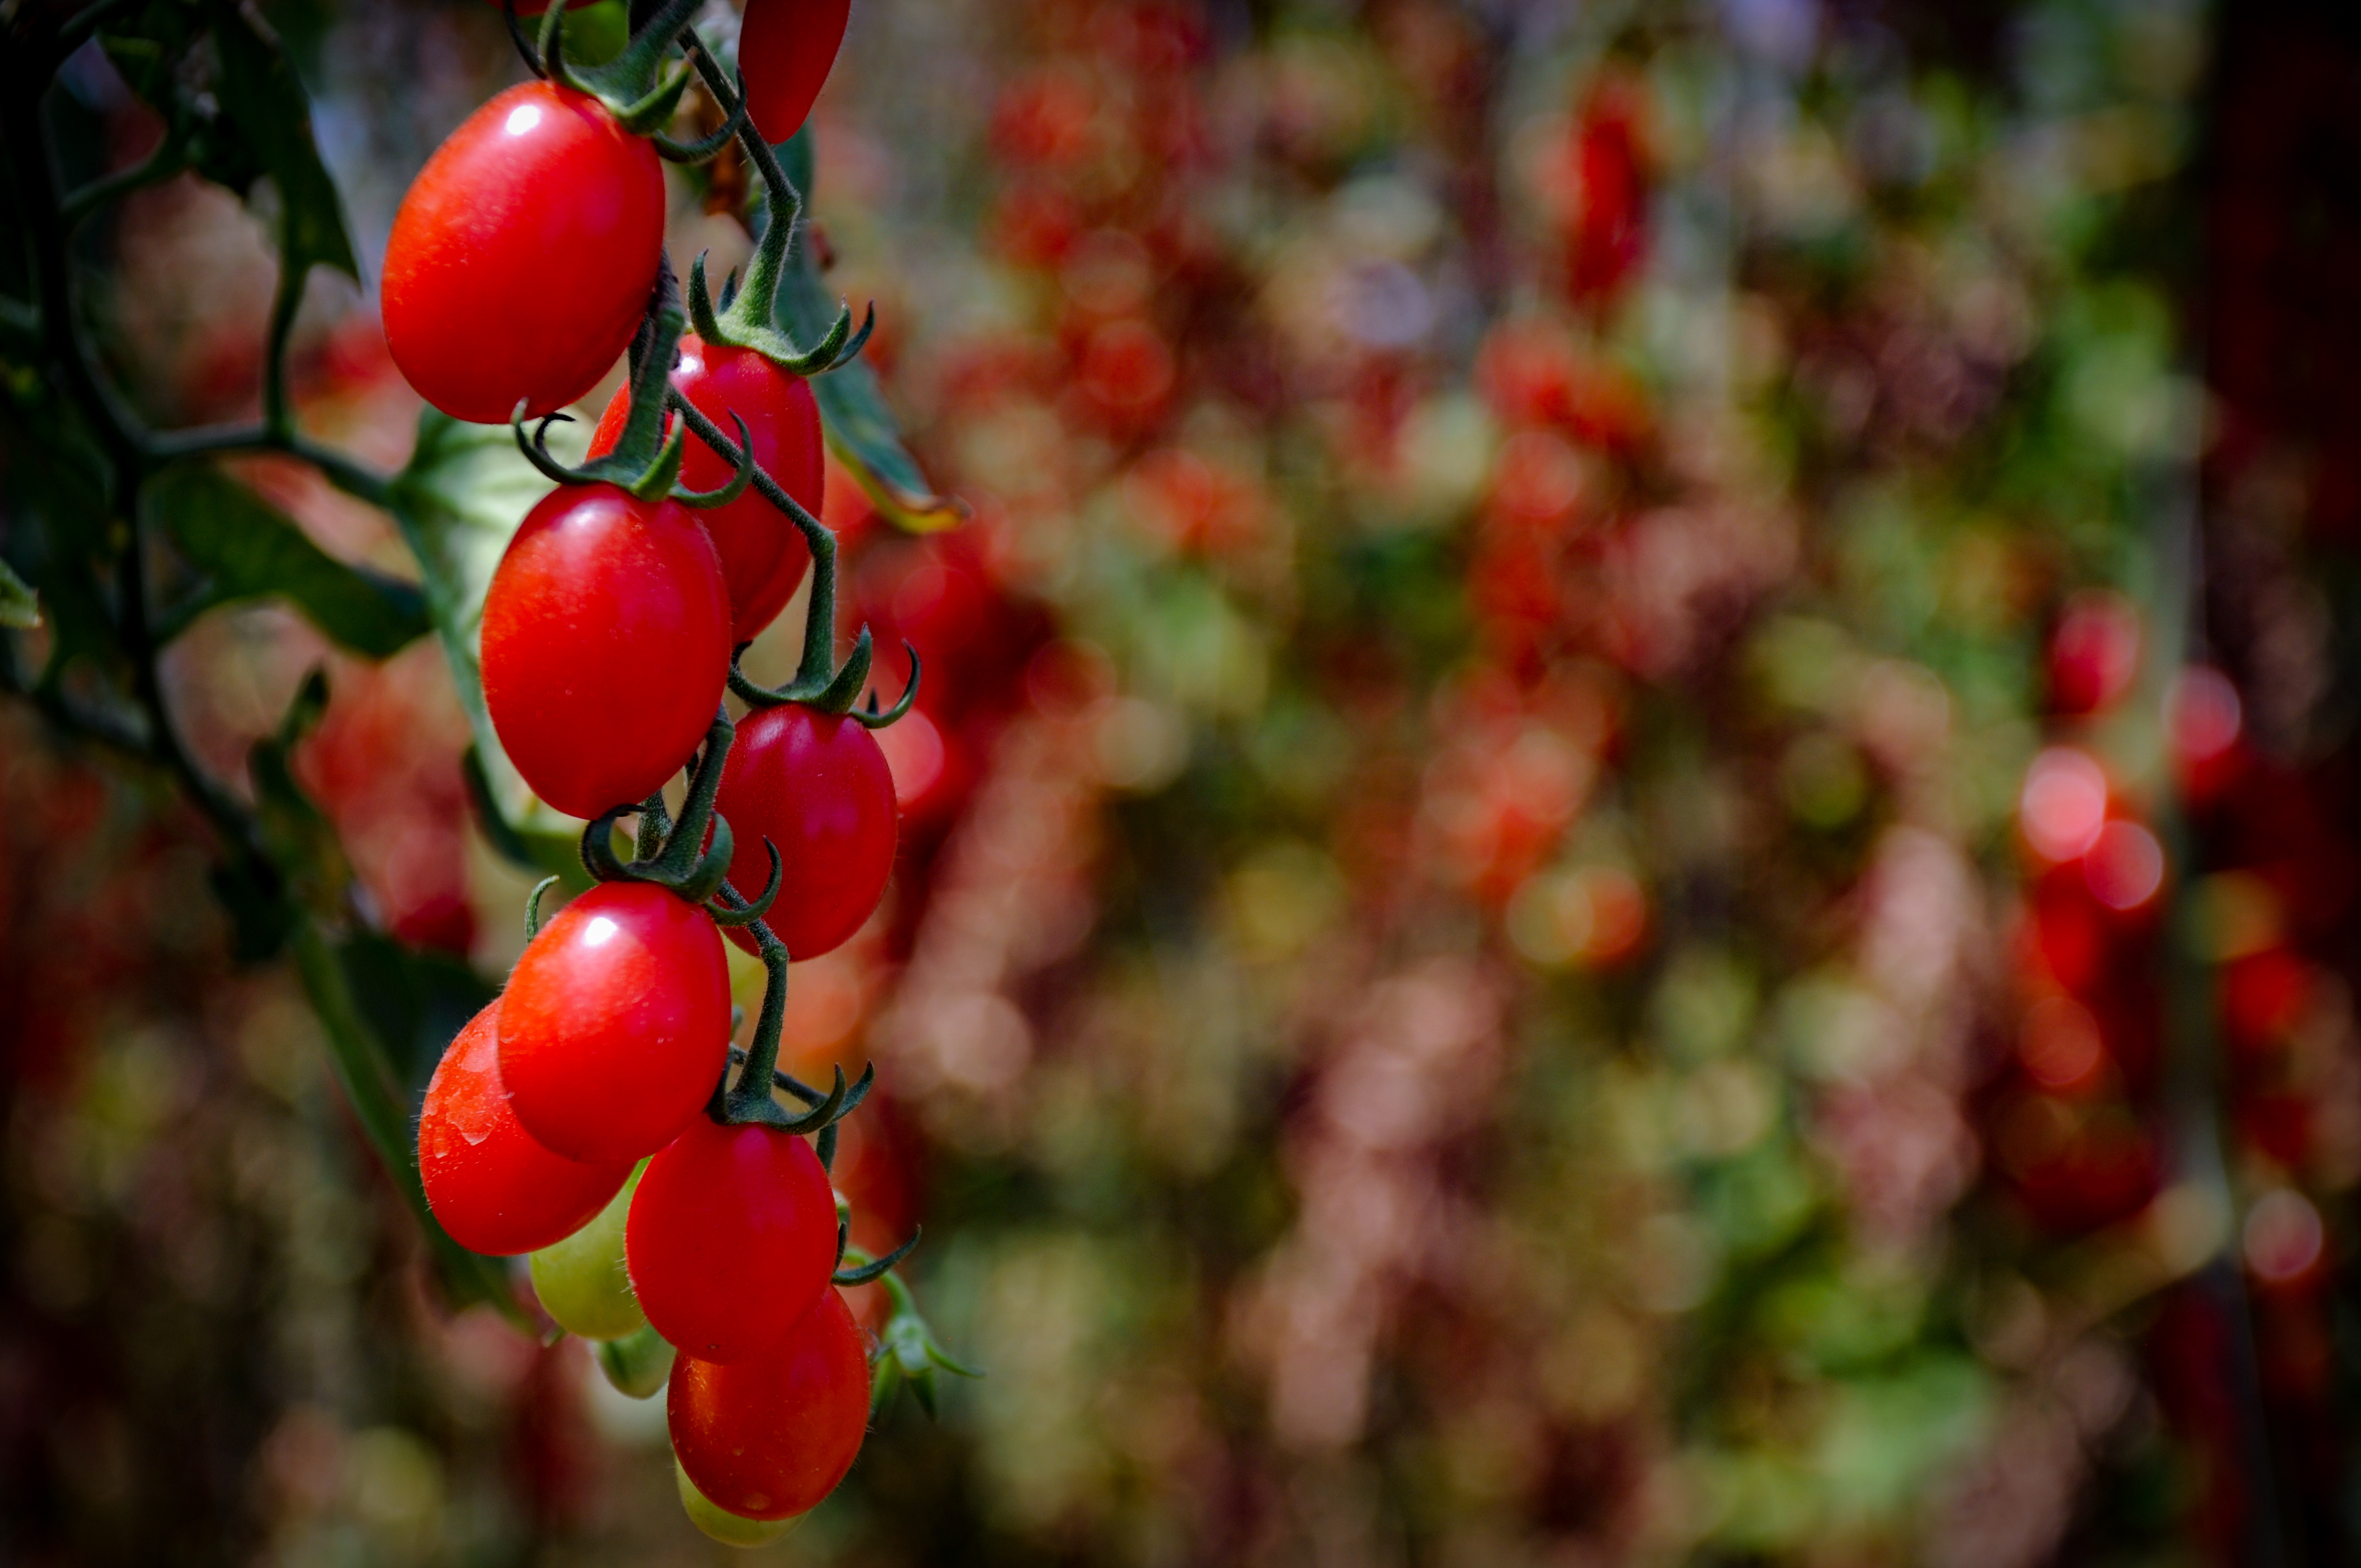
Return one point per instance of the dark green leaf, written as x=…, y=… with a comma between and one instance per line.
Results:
x=387, y=1012
x=366, y=1069
x=301, y=841
x=54, y=511
x=861, y=430
x=243, y=548
x=262, y=96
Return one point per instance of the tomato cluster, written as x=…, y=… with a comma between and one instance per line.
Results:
x=587, y=1116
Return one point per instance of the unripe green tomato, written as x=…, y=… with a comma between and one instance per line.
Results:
x=728, y=1528
x=581, y=1281
x=637, y=1364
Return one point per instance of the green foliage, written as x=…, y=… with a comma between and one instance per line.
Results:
x=263, y=98
x=244, y=549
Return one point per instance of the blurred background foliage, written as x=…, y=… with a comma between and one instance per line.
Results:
x=1622, y=845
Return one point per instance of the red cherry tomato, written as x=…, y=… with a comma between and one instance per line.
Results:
x=522, y=256
x=732, y=1236
x=816, y=786
x=785, y=48
x=764, y=557
x=605, y=646
x=770, y=1439
x=492, y=1187
x=615, y=1026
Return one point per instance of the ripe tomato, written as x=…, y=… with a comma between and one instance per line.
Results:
x=733, y=1235
x=816, y=785
x=492, y=1187
x=605, y=646
x=764, y=557
x=580, y=1281
x=523, y=255
x=785, y=48
x=770, y=1439
x=616, y=1023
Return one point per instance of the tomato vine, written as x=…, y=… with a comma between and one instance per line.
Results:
x=601, y=1084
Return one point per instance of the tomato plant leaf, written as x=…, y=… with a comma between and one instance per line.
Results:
x=364, y=1070
x=55, y=514
x=459, y=501
x=860, y=427
x=381, y=1006
x=263, y=97
x=243, y=548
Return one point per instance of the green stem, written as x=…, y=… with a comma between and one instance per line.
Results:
x=814, y=670
x=167, y=161
x=750, y=1100
x=767, y=268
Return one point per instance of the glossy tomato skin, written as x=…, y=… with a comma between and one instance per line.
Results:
x=490, y=1184
x=770, y=1439
x=818, y=786
x=605, y=646
x=523, y=255
x=732, y=1236
x=615, y=1026
x=763, y=557
x=786, y=49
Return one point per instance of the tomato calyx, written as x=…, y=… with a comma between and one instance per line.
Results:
x=826, y=1109
x=748, y=316
x=633, y=86
x=907, y=1352
x=819, y=683
x=676, y=856
x=835, y=693
x=647, y=456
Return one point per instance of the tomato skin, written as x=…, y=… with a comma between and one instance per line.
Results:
x=605, y=646
x=764, y=557
x=771, y=1439
x=523, y=255
x=615, y=1026
x=733, y=1235
x=786, y=49
x=817, y=785
x=491, y=1185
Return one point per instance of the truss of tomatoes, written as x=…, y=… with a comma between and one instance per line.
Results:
x=582, y=1117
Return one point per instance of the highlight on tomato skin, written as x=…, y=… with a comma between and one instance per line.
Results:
x=521, y=256
x=605, y=646
x=491, y=1185
x=726, y=1216
x=615, y=1026
x=771, y=1438
x=762, y=553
